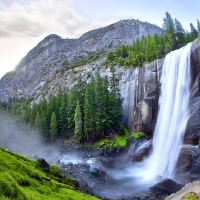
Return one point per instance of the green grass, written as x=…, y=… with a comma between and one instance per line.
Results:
x=18, y=180
x=137, y=134
x=116, y=141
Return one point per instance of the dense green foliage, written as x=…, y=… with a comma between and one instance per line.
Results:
x=90, y=110
x=23, y=179
x=153, y=47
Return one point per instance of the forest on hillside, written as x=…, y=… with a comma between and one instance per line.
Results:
x=149, y=48
x=89, y=110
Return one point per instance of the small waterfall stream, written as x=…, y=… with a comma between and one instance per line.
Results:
x=172, y=115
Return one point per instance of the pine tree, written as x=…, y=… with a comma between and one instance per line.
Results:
x=33, y=114
x=180, y=34
x=169, y=30
x=53, y=127
x=76, y=93
x=37, y=123
x=115, y=98
x=193, y=32
x=78, y=132
x=63, y=123
x=99, y=101
x=90, y=109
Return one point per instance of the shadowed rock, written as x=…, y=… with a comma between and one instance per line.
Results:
x=166, y=186
x=43, y=164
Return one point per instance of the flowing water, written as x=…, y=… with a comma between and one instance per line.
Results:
x=133, y=179
x=172, y=115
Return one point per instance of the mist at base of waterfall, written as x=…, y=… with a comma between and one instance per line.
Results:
x=20, y=138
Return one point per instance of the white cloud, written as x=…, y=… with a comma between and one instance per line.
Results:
x=24, y=23
x=44, y=17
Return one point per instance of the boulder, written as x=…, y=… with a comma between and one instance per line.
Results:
x=100, y=172
x=166, y=186
x=139, y=156
x=43, y=164
x=143, y=149
x=83, y=186
x=188, y=165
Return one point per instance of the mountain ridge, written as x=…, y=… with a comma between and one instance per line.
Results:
x=45, y=60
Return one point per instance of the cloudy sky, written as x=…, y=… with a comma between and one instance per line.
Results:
x=23, y=23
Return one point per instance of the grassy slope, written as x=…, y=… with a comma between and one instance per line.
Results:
x=18, y=180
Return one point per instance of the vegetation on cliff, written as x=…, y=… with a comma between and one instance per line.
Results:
x=24, y=179
x=153, y=47
x=90, y=110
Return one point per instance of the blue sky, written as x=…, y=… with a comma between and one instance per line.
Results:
x=25, y=22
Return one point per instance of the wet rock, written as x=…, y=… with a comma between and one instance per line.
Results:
x=188, y=165
x=190, y=188
x=139, y=156
x=183, y=166
x=166, y=186
x=100, y=172
x=83, y=186
x=195, y=165
x=43, y=164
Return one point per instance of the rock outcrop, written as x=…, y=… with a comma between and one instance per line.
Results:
x=41, y=71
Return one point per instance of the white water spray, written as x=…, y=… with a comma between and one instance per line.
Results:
x=173, y=113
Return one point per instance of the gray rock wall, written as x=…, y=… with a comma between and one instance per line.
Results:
x=39, y=72
x=140, y=89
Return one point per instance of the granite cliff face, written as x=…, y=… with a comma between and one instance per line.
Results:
x=44, y=62
x=40, y=72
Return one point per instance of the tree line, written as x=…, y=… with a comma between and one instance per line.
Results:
x=89, y=110
x=149, y=48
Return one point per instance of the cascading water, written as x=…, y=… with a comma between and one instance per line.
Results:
x=172, y=115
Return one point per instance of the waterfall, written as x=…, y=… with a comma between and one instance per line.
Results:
x=172, y=115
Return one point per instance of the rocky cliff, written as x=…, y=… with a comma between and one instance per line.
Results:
x=44, y=63
x=42, y=69
x=41, y=72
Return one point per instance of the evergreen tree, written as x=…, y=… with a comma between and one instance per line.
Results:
x=115, y=98
x=63, y=123
x=76, y=93
x=90, y=109
x=99, y=101
x=37, y=123
x=78, y=132
x=33, y=114
x=53, y=127
x=193, y=31
x=169, y=30
x=180, y=34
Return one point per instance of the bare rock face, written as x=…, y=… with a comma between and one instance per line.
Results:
x=192, y=135
x=41, y=70
x=43, y=64
x=140, y=90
